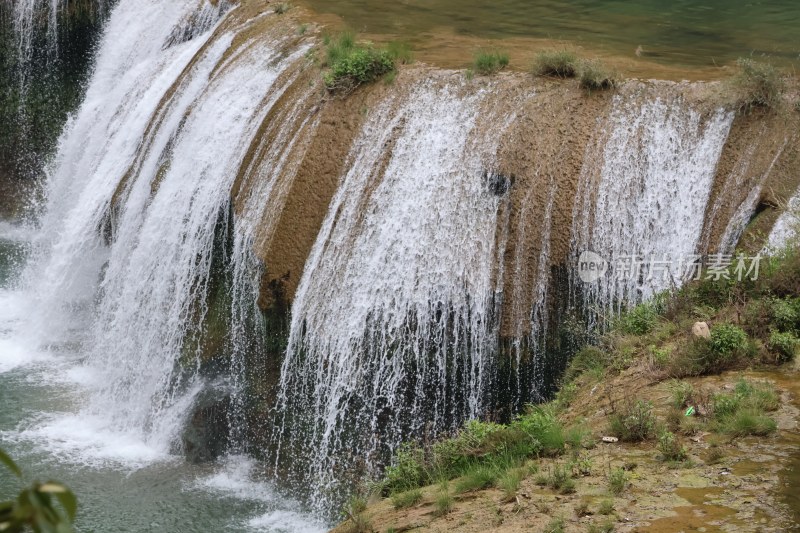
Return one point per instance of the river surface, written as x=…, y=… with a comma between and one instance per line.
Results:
x=677, y=32
x=123, y=485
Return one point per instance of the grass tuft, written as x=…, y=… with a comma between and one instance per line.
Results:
x=489, y=61
x=556, y=64
x=594, y=76
x=758, y=84
x=617, y=481
x=350, y=63
x=410, y=498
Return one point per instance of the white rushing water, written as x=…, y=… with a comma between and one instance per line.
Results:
x=646, y=199
x=787, y=226
x=137, y=194
x=393, y=323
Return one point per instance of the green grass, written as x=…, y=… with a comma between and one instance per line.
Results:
x=680, y=393
x=594, y=76
x=556, y=64
x=559, y=478
x=443, y=501
x=410, y=498
x=606, y=507
x=480, y=477
x=509, y=483
x=556, y=525
x=671, y=448
x=784, y=344
x=758, y=85
x=489, y=61
x=282, y=8
x=617, y=481
x=743, y=411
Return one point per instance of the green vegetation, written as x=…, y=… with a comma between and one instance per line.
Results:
x=282, y=7
x=559, y=478
x=594, y=76
x=606, y=507
x=410, y=498
x=556, y=64
x=618, y=480
x=509, y=483
x=488, y=62
x=758, y=85
x=444, y=501
x=634, y=422
x=555, y=526
x=671, y=448
x=640, y=320
x=744, y=411
x=41, y=507
x=356, y=521
x=350, y=63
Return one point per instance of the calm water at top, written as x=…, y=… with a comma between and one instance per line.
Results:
x=675, y=32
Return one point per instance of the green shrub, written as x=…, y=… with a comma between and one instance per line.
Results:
x=670, y=447
x=403, y=500
x=594, y=76
x=578, y=437
x=282, y=7
x=785, y=314
x=758, y=84
x=351, y=64
x=640, y=320
x=743, y=411
x=727, y=340
x=541, y=426
x=634, y=423
x=784, y=344
x=556, y=64
x=488, y=62
x=407, y=471
x=617, y=481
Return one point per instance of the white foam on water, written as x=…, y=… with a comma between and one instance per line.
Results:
x=282, y=521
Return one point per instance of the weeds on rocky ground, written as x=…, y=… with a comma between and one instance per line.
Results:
x=757, y=85
x=489, y=61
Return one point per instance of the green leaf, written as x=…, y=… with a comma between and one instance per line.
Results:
x=9, y=463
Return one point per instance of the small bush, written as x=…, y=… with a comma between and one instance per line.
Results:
x=594, y=76
x=351, y=64
x=542, y=426
x=783, y=344
x=408, y=470
x=410, y=498
x=354, y=513
x=634, y=423
x=556, y=64
x=727, y=340
x=743, y=412
x=488, y=62
x=785, y=314
x=579, y=437
x=640, y=320
x=670, y=447
x=617, y=481
x=559, y=479
x=758, y=84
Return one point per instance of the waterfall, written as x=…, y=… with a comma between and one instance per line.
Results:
x=643, y=206
x=786, y=227
x=140, y=192
x=393, y=327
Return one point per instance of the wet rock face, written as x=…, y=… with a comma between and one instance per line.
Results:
x=207, y=433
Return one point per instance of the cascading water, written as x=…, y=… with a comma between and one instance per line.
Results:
x=787, y=227
x=645, y=203
x=393, y=327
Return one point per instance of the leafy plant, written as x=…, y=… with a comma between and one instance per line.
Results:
x=42, y=507
x=727, y=340
x=640, y=320
x=670, y=447
x=784, y=344
x=351, y=63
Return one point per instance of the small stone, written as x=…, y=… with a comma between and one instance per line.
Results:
x=610, y=439
x=700, y=329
